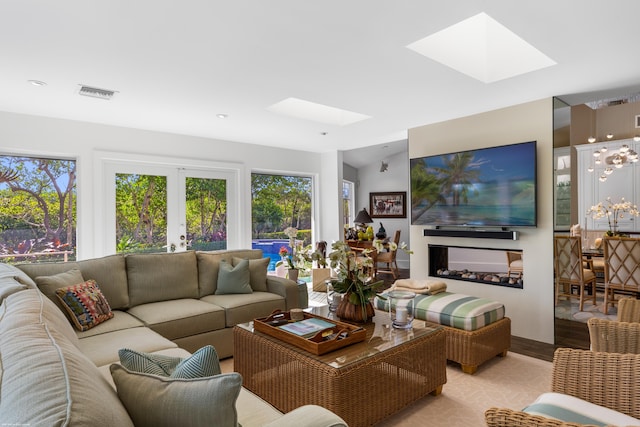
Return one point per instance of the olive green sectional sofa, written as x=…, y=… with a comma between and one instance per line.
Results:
x=175, y=295
x=165, y=305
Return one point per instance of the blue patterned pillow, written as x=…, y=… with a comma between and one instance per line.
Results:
x=202, y=363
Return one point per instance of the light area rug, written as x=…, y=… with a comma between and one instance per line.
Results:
x=511, y=382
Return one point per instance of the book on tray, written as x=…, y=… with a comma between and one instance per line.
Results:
x=307, y=327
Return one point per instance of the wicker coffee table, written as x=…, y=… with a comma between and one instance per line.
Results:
x=362, y=383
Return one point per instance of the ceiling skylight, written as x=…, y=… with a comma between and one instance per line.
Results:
x=307, y=110
x=482, y=48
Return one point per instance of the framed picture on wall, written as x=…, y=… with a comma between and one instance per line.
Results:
x=391, y=204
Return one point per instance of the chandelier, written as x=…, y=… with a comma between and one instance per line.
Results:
x=613, y=160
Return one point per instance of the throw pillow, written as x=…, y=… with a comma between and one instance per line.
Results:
x=50, y=284
x=84, y=304
x=157, y=401
x=234, y=280
x=203, y=363
x=257, y=272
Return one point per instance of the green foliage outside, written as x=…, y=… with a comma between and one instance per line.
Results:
x=278, y=202
x=37, y=206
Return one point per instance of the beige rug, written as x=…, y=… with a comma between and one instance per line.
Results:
x=510, y=382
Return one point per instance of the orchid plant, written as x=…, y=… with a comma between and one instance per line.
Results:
x=613, y=212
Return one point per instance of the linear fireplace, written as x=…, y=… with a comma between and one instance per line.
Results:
x=480, y=265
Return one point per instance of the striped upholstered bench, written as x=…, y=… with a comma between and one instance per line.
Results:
x=477, y=328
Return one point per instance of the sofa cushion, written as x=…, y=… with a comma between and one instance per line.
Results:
x=111, y=275
x=180, y=318
x=208, y=264
x=234, y=280
x=103, y=349
x=241, y=308
x=34, y=354
x=161, y=277
x=203, y=362
x=156, y=401
x=120, y=320
x=571, y=409
x=257, y=272
x=84, y=304
x=12, y=280
x=50, y=284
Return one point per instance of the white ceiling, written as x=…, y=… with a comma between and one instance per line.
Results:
x=177, y=64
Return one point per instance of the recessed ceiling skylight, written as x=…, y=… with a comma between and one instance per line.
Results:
x=482, y=48
x=307, y=110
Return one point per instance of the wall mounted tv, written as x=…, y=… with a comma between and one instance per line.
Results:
x=488, y=187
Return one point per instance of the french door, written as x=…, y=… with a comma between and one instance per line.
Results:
x=159, y=208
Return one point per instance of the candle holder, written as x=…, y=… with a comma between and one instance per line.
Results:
x=333, y=297
x=401, y=308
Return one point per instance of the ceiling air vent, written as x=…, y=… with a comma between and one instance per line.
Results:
x=95, y=92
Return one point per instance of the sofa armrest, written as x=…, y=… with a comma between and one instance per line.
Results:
x=285, y=288
x=605, y=379
x=502, y=417
x=614, y=337
x=308, y=416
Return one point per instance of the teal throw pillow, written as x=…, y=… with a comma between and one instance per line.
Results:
x=234, y=280
x=203, y=363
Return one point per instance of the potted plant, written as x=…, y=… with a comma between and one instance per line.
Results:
x=354, y=281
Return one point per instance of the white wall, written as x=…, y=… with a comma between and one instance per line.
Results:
x=396, y=178
x=39, y=136
x=531, y=309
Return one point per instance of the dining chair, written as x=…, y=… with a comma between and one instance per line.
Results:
x=570, y=271
x=388, y=258
x=613, y=336
x=514, y=263
x=629, y=310
x=621, y=268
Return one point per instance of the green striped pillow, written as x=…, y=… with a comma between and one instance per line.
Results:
x=203, y=363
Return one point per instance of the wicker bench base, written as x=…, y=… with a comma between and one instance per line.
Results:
x=472, y=348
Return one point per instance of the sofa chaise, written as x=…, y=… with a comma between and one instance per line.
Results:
x=164, y=305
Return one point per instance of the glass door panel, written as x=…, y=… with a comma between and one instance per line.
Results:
x=206, y=213
x=141, y=213
x=159, y=208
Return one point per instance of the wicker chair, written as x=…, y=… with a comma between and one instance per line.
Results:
x=613, y=336
x=621, y=268
x=570, y=271
x=629, y=310
x=514, y=263
x=604, y=379
x=389, y=259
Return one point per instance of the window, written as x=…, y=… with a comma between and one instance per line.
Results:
x=37, y=209
x=278, y=202
x=348, y=209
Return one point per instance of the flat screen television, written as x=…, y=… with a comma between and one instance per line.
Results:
x=488, y=187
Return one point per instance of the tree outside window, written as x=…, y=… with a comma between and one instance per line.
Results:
x=278, y=202
x=37, y=209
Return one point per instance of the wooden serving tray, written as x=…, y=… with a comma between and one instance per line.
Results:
x=343, y=334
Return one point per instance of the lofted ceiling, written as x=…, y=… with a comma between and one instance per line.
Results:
x=176, y=66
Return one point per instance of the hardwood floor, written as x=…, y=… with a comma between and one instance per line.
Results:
x=568, y=333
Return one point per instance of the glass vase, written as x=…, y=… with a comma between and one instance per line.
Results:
x=401, y=309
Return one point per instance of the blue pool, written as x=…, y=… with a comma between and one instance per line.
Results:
x=270, y=249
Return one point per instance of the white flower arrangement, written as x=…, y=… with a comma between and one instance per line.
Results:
x=613, y=212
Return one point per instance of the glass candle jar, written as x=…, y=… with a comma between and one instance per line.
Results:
x=333, y=298
x=401, y=308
